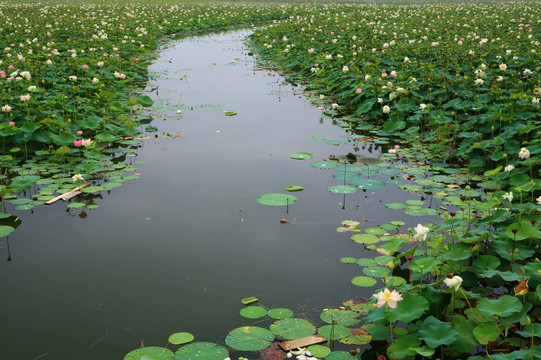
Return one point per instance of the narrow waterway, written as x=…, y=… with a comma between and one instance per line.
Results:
x=179, y=248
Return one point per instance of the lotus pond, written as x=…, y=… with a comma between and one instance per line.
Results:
x=405, y=166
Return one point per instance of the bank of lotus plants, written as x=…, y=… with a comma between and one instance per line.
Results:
x=71, y=101
x=457, y=86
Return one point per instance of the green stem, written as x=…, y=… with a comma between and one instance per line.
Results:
x=391, y=329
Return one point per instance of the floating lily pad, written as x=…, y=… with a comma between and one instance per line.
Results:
x=319, y=351
x=333, y=332
x=375, y=231
x=294, y=188
x=301, y=156
x=375, y=271
x=92, y=206
x=248, y=338
x=333, y=142
x=363, y=281
x=180, y=338
x=201, y=351
x=316, y=138
x=342, y=189
x=340, y=317
x=92, y=189
x=368, y=184
x=4, y=215
x=76, y=205
x=6, y=230
x=415, y=202
x=292, y=328
x=348, y=260
x=280, y=313
x=253, y=312
x=366, y=262
x=249, y=300
x=419, y=211
x=276, y=199
x=324, y=164
x=150, y=352
x=365, y=239
x=340, y=355
x=24, y=207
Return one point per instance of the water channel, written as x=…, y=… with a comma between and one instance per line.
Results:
x=179, y=248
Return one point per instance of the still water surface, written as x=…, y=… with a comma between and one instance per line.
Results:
x=179, y=248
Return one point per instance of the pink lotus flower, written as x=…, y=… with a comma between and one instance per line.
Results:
x=85, y=66
x=12, y=123
x=11, y=66
x=359, y=90
x=388, y=298
x=77, y=143
x=79, y=132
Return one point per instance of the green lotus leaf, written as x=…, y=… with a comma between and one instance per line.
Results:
x=201, y=351
x=395, y=205
x=524, y=230
x=348, y=260
x=280, y=313
x=435, y=332
x=342, y=189
x=375, y=231
x=145, y=101
x=24, y=182
x=253, y=312
x=301, y=156
x=324, y=164
x=334, y=332
x=368, y=184
x=339, y=355
x=403, y=346
x=363, y=281
x=150, y=352
x=319, y=351
x=466, y=342
x=292, y=328
x=6, y=230
x=294, y=188
x=76, y=205
x=180, y=338
x=249, y=300
x=486, y=332
x=249, y=338
x=505, y=305
x=365, y=239
x=275, y=199
x=340, y=317
x=412, y=307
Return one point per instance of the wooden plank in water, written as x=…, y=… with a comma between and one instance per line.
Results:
x=66, y=195
x=303, y=342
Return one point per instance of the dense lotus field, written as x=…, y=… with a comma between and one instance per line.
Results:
x=458, y=87
x=69, y=74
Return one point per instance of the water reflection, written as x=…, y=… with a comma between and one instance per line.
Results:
x=178, y=248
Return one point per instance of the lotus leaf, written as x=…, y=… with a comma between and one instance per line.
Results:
x=249, y=338
x=334, y=332
x=292, y=328
x=253, y=312
x=340, y=317
x=201, y=351
x=180, y=338
x=275, y=199
x=280, y=313
x=150, y=353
